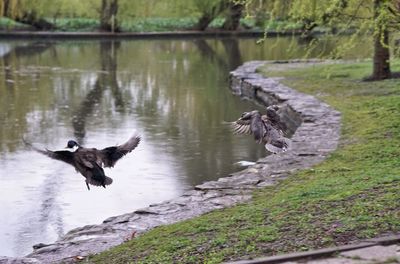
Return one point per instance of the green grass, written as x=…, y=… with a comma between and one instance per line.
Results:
x=77, y=24
x=354, y=194
x=281, y=26
x=9, y=24
x=158, y=24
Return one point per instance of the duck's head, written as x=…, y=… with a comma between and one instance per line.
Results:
x=72, y=145
x=273, y=108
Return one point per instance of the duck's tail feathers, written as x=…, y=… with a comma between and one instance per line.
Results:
x=98, y=177
x=108, y=180
x=95, y=182
x=278, y=146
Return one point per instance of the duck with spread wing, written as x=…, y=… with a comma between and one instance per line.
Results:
x=90, y=161
x=267, y=129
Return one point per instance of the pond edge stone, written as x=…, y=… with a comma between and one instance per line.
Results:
x=316, y=137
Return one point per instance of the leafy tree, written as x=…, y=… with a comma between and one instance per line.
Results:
x=357, y=17
x=25, y=11
x=385, y=13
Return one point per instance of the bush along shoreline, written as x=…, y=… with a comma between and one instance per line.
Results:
x=147, y=24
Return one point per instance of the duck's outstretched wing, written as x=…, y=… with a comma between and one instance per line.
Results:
x=111, y=155
x=241, y=127
x=250, y=126
x=62, y=155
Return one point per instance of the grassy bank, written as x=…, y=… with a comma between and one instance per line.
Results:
x=9, y=24
x=354, y=194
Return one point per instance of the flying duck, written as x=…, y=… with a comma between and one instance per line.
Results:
x=267, y=129
x=90, y=161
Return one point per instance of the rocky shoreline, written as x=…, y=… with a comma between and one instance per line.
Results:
x=317, y=135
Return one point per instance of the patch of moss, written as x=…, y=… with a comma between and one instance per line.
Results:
x=352, y=195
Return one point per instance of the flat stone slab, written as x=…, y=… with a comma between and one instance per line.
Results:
x=6, y=260
x=315, y=138
x=375, y=253
x=337, y=261
x=371, y=251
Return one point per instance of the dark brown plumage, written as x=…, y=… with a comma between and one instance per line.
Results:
x=266, y=129
x=90, y=161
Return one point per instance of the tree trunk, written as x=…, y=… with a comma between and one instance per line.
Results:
x=232, y=21
x=381, y=68
x=204, y=21
x=381, y=65
x=108, y=15
x=6, y=4
x=209, y=15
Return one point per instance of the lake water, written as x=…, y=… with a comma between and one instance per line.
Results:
x=174, y=93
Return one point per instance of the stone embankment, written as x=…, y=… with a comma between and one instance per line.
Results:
x=317, y=135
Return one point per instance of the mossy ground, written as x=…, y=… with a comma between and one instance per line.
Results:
x=354, y=194
x=9, y=24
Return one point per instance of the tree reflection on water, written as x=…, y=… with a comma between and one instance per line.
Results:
x=106, y=78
